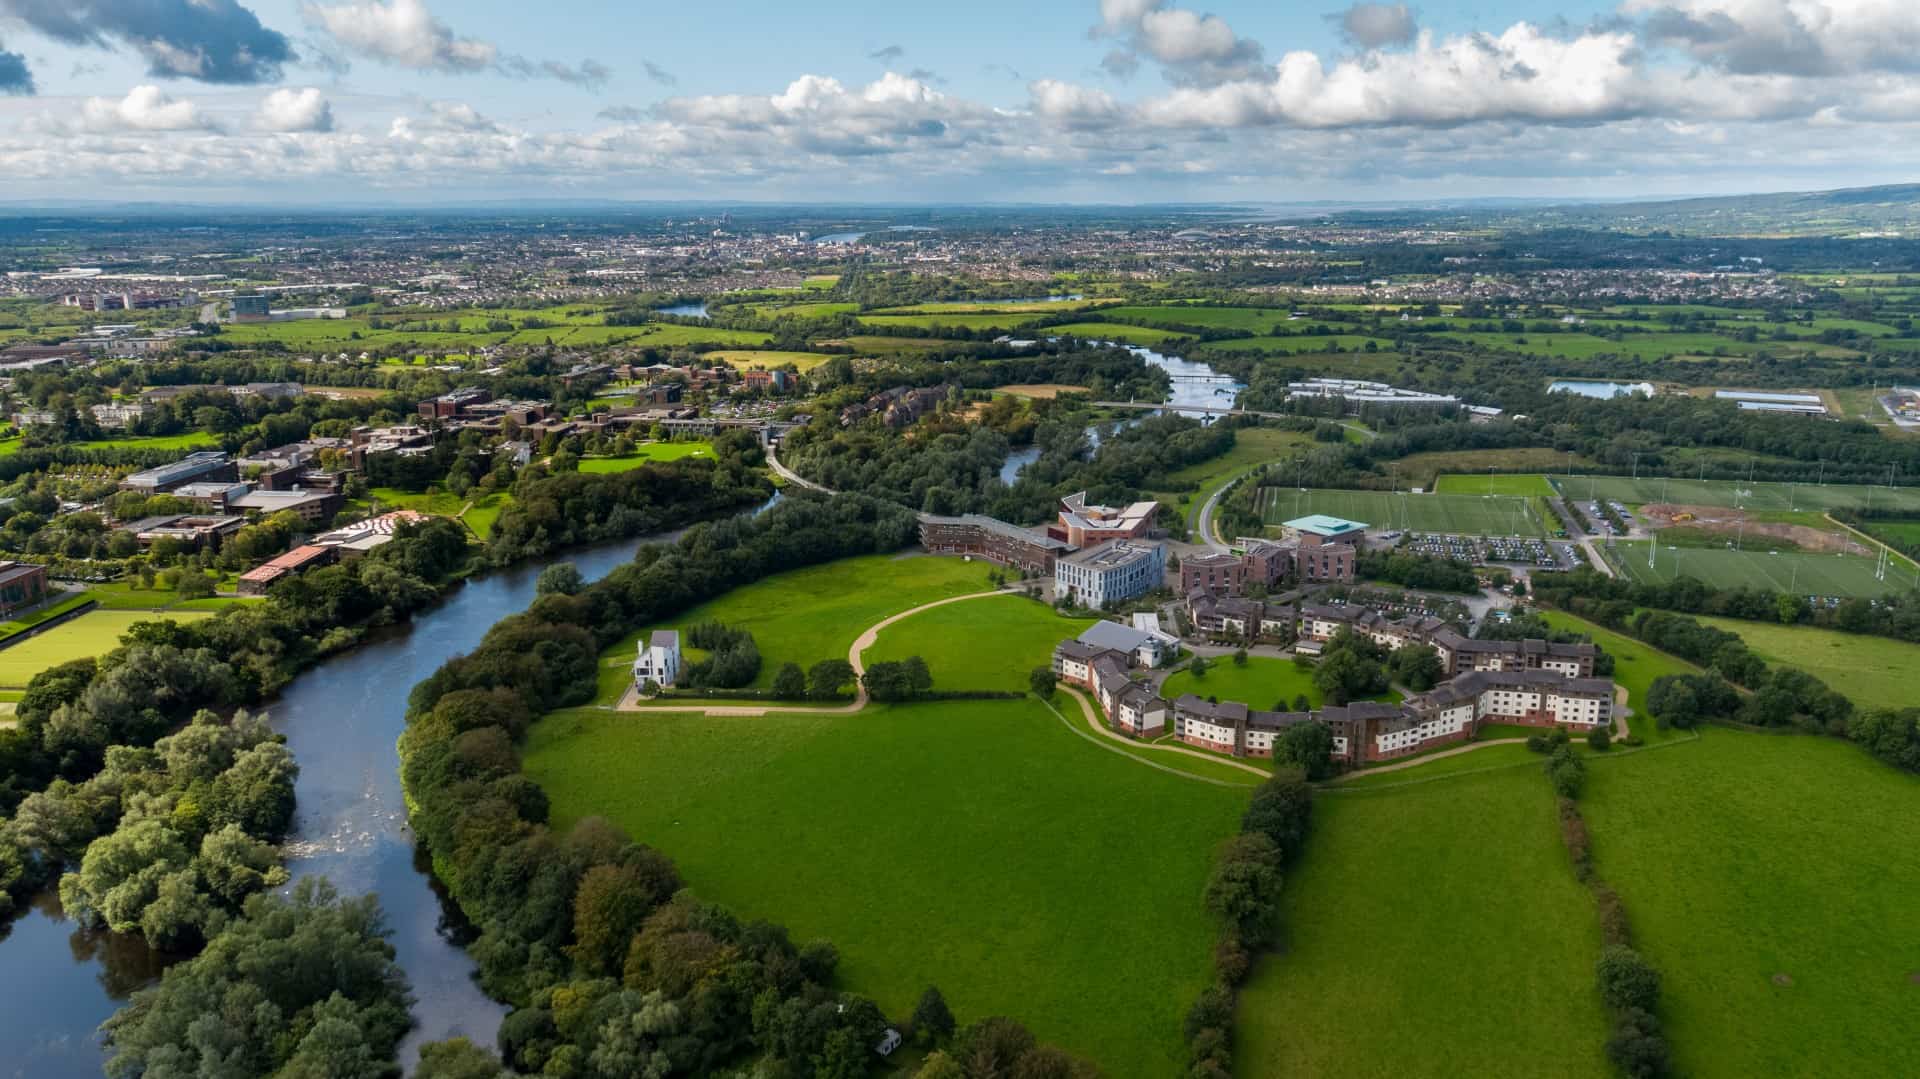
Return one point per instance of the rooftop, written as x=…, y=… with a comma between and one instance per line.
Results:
x=1321, y=524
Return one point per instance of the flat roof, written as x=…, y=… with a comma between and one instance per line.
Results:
x=1324, y=525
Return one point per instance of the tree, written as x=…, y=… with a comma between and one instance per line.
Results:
x=1307, y=746
x=1198, y=668
x=1043, y=682
x=1281, y=809
x=1245, y=883
x=939, y=1065
x=561, y=577
x=1417, y=666
x=827, y=678
x=1566, y=772
x=457, y=1058
x=1599, y=740
x=1637, y=1047
x=790, y=684
x=1626, y=979
x=1240, y=657
x=932, y=1022
x=1672, y=702
x=612, y=902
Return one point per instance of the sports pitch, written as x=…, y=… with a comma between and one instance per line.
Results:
x=1800, y=573
x=1753, y=496
x=1459, y=514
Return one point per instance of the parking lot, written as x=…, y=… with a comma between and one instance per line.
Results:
x=1504, y=550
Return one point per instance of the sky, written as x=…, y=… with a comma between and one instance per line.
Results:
x=1114, y=101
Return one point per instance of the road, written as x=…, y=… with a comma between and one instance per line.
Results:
x=1211, y=410
x=788, y=474
x=1579, y=535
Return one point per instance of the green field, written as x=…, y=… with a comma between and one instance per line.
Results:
x=478, y=511
x=963, y=321
x=1114, y=331
x=1460, y=514
x=1296, y=344
x=980, y=644
x=1755, y=496
x=1635, y=666
x=1744, y=858
x=815, y=613
x=1523, y=486
x=647, y=451
x=1252, y=446
x=1799, y=573
x=1434, y=930
x=126, y=595
x=765, y=358
x=194, y=440
x=92, y=634
x=979, y=846
x=1264, y=683
x=1874, y=672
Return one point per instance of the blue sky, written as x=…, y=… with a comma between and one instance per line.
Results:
x=1055, y=100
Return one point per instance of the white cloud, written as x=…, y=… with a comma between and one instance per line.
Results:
x=1795, y=37
x=145, y=108
x=1074, y=106
x=1373, y=26
x=400, y=32
x=288, y=110
x=1192, y=48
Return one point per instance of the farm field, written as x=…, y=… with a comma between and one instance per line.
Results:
x=768, y=358
x=955, y=307
x=1635, y=666
x=1263, y=683
x=1256, y=320
x=965, y=321
x=980, y=644
x=1756, y=496
x=1393, y=963
x=1294, y=345
x=807, y=615
x=804, y=310
x=1874, y=672
x=1780, y=913
x=1798, y=572
x=1461, y=514
x=952, y=843
x=92, y=634
x=1114, y=331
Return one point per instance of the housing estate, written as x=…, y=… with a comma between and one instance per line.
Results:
x=1557, y=690
x=1458, y=653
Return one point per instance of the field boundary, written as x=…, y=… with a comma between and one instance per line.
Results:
x=57, y=620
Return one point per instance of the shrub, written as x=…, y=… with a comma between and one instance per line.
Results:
x=1626, y=979
x=1599, y=740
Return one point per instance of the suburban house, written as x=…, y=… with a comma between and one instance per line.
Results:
x=659, y=659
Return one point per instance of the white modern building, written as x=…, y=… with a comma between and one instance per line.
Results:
x=1113, y=571
x=659, y=659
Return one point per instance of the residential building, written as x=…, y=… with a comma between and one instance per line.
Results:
x=1111, y=572
x=1232, y=616
x=256, y=581
x=22, y=585
x=994, y=540
x=1144, y=649
x=659, y=659
x=117, y=416
x=1459, y=654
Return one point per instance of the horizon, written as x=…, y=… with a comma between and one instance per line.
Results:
x=1096, y=102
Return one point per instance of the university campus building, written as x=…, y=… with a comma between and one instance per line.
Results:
x=1120, y=564
x=1556, y=691
x=1115, y=570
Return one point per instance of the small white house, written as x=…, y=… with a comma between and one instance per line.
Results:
x=659, y=659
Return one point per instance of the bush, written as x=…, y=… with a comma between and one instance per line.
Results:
x=1573, y=833
x=1567, y=772
x=1599, y=740
x=1626, y=979
x=1637, y=1046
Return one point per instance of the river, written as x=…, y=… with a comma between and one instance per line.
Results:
x=341, y=720
x=1194, y=385
x=685, y=310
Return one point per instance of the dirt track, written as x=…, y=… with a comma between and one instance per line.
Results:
x=1728, y=521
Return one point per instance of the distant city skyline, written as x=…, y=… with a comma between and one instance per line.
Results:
x=1114, y=101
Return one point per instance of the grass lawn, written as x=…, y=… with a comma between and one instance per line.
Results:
x=972, y=845
x=484, y=509
x=92, y=634
x=1434, y=930
x=1799, y=572
x=980, y=644
x=1114, y=331
x=126, y=595
x=648, y=451
x=51, y=610
x=192, y=441
x=1874, y=672
x=744, y=358
x=1756, y=496
x=1745, y=857
x=1495, y=484
x=815, y=613
x=1459, y=514
x=1635, y=666
x=1261, y=684
x=1252, y=446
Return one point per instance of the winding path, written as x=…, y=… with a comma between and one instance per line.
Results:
x=630, y=702
x=788, y=474
x=1093, y=720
